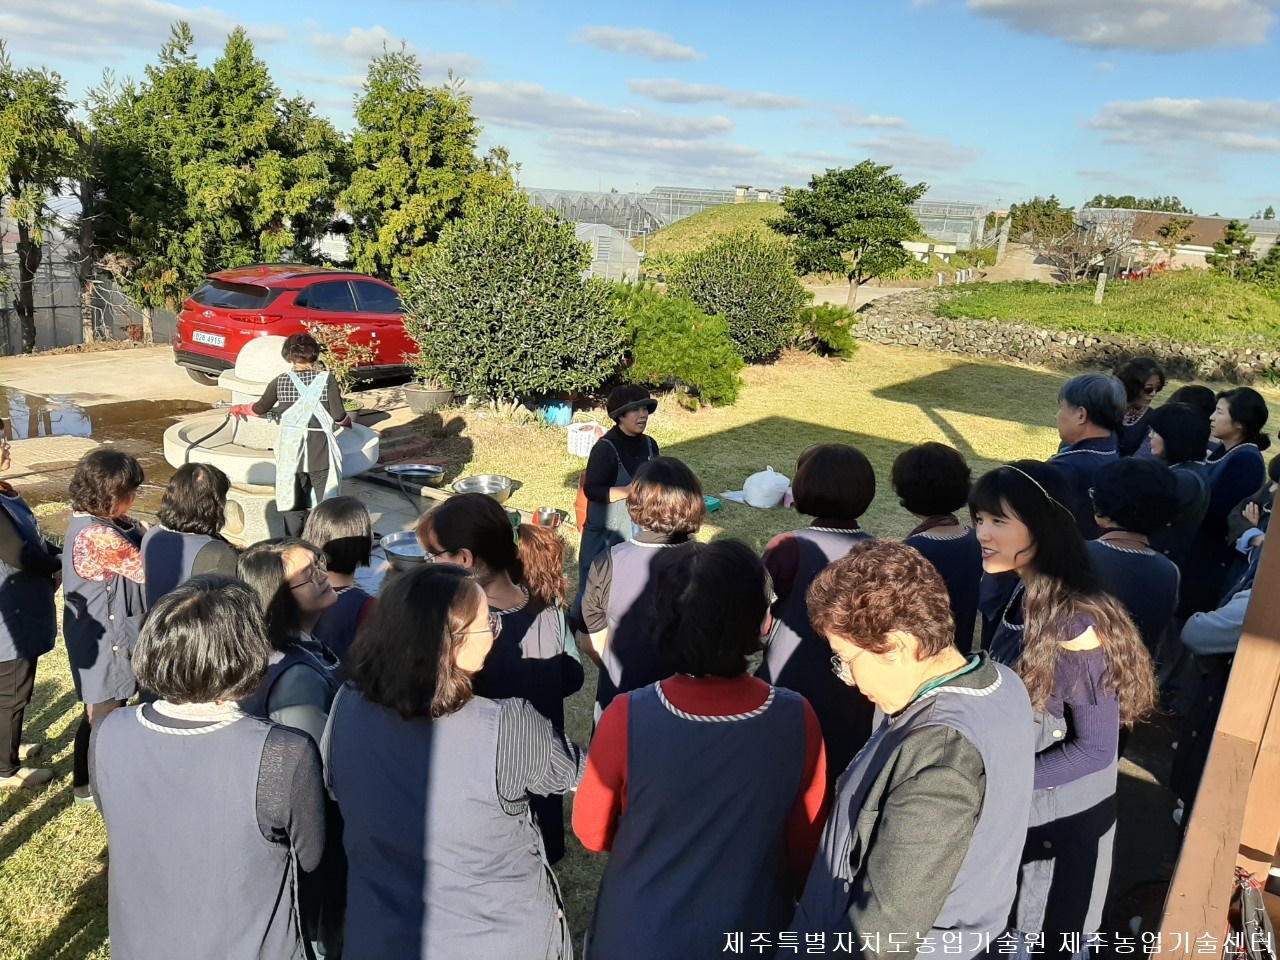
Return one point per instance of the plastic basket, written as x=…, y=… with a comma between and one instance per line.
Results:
x=583, y=436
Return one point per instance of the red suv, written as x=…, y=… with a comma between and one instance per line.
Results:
x=278, y=299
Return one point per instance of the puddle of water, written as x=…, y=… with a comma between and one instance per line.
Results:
x=27, y=415
x=136, y=426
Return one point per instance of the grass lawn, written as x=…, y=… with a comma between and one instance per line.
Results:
x=695, y=232
x=53, y=856
x=1189, y=306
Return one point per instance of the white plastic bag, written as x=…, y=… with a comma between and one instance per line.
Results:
x=765, y=489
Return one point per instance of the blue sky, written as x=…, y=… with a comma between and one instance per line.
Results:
x=985, y=100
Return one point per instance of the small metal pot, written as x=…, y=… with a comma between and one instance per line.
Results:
x=546, y=517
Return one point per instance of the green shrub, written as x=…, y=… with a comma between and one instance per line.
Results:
x=984, y=257
x=673, y=340
x=656, y=266
x=751, y=282
x=500, y=310
x=826, y=329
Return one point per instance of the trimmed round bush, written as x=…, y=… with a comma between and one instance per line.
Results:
x=750, y=282
x=673, y=341
x=501, y=311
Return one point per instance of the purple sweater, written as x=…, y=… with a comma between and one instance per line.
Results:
x=1093, y=720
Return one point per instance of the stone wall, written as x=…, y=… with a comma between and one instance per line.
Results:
x=909, y=319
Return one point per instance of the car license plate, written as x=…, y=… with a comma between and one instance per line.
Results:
x=212, y=339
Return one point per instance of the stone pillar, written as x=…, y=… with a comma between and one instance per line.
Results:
x=740, y=191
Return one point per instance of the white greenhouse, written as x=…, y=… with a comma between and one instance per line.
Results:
x=612, y=255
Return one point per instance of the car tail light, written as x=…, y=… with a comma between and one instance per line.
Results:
x=256, y=317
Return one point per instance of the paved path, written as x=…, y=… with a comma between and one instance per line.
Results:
x=839, y=293
x=107, y=376
x=1020, y=263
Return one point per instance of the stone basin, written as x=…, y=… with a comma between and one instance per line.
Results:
x=246, y=463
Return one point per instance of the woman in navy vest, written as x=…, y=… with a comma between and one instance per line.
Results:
x=708, y=788
x=1179, y=435
x=1088, y=673
x=434, y=783
x=1142, y=379
x=341, y=528
x=1236, y=470
x=103, y=600
x=835, y=484
x=187, y=541
x=207, y=810
x=925, y=833
x=1131, y=500
x=1090, y=410
x=1200, y=399
x=932, y=482
x=665, y=503
x=30, y=569
x=289, y=579
x=611, y=467
x=297, y=690
x=534, y=656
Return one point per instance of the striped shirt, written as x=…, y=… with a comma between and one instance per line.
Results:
x=533, y=757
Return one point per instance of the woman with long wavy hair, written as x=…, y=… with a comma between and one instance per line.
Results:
x=1088, y=674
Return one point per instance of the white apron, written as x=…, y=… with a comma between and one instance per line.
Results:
x=291, y=447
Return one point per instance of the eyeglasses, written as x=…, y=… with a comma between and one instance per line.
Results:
x=1151, y=391
x=495, y=626
x=316, y=577
x=840, y=667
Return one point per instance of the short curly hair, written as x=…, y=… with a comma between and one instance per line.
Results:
x=931, y=479
x=1135, y=373
x=666, y=497
x=879, y=587
x=103, y=480
x=301, y=348
x=195, y=501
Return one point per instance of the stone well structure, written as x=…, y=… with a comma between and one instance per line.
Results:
x=245, y=450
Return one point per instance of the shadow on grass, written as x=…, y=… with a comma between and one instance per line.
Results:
x=985, y=390
x=725, y=459
x=18, y=830
x=1146, y=849
x=84, y=928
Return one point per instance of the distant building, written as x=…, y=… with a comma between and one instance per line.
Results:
x=635, y=214
x=1145, y=242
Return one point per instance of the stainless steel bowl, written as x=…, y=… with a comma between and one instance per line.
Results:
x=490, y=484
x=423, y=474
x=403, y=550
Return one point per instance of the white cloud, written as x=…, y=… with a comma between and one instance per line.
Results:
x=678, y=91
x=360, y=45
x=875, y=120
x=528, y=106
x=1156, y=125
x=1159, y=25
x=917, y=153
x=702, y=163
x=842, y=115
x=103, y=28
x=636, y=42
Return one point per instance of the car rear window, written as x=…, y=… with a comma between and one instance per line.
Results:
x=235, y=296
